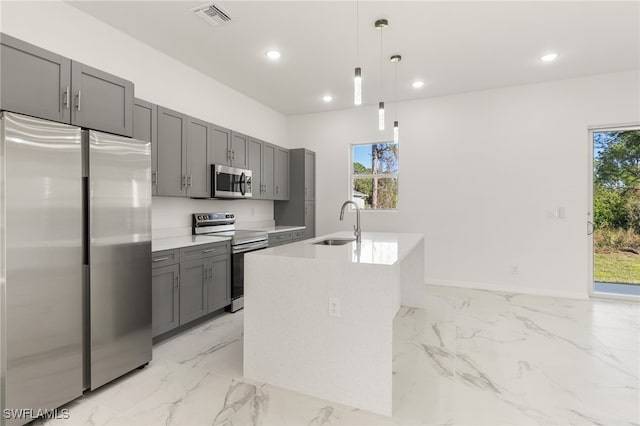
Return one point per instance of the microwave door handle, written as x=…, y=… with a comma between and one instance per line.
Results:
x=242, y=184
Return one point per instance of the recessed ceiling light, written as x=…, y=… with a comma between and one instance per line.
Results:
x=273, y=55
x=549, y=57
x=327, y=98
x=417, y=84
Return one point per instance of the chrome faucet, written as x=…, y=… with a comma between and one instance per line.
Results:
x=356, y=229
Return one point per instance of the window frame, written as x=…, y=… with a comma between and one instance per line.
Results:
x=353, y=175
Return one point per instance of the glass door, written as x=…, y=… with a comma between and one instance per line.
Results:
x=614, y=219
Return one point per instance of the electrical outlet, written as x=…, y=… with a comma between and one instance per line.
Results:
x=514, y=269
x=334, y=307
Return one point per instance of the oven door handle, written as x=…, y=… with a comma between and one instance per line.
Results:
x=250, y=247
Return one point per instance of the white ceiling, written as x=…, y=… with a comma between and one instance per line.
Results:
x=453, y=46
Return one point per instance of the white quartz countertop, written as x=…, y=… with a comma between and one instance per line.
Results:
x=275, y=228
x=170, y=243
x=376, y=248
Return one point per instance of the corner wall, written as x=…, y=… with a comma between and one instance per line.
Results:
x=478, y=174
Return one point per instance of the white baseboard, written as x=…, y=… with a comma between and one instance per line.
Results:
x=507, y=289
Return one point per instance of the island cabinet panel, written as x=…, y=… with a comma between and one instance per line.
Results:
x=145, y=128
x=198, y=171
x=172, y=135
x=165, y=292
x=34, y=81
x=101, y=101
x=282, y=174
x=298, y=210
x=193, y=289
x=220, y=146
x=219, y=283
x=255, y=165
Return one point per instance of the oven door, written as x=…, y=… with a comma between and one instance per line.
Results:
x=230, y=182
x=237, y=272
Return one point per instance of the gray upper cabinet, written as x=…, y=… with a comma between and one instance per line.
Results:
x=239, y=150
x=198, y=170
x=34, y=81
x=255, y=165
x=310, y=219
x=309, y=175
x=43, y=84
x=268, y=171
x=282, y=174
x=145, y=128
x=101, y=101
x=172, y=135
x=220, y=146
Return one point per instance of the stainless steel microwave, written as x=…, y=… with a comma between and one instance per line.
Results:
x=230, y=182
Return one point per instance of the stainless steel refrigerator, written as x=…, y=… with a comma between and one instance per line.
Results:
x=77, y=247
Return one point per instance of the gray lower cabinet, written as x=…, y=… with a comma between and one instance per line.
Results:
x=254, y=160
x=165, y=290
x=145, y=128
x=193, y=289
x=188, y=283
x=43, y=84
x=281, y=174
x=172, y=135
x=219, y=283
x=198, y=171
x=280, y=238
x=34, y=81
x=101, y=101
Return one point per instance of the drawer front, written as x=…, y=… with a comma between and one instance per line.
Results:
x=299, y=234
x=164, y=258
x=205, y=250
x=279, y=239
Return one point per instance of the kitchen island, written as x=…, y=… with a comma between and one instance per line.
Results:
x=319, y=318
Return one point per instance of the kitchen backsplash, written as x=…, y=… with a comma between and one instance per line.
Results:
x=171, y=216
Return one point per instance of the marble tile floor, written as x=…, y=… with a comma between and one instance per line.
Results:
x=470, y=357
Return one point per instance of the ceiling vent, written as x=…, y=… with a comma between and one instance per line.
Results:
x=212, y=14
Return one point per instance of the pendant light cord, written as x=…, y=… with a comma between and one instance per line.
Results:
x=381, y=76
x=358, y=31
x=396, y=95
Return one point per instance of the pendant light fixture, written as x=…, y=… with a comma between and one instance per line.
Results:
x=396, y=128
x=380, y=24
x=357, y=78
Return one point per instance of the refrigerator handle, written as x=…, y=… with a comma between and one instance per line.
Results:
x=67, y=96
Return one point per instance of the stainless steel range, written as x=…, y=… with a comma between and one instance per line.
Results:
x=223, y=225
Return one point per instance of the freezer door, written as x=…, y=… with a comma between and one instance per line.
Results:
x=43, y=190
x=119, y=255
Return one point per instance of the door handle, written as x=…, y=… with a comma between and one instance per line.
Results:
x=590, y=228
x=184, y=180
x=67, y=97
x=209, y=250
x=160, y=259
x=78, y=100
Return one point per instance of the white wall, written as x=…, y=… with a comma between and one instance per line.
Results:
x=158, y=78
x=478, y=173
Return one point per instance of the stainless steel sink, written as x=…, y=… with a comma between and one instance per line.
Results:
x=335, y=241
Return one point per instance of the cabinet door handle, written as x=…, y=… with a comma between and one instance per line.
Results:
x=160, y=259
x=189, y=181
x=177, y=281
x=67, y=97
x=305, y=190
x=209, y=250
x=233, y=155
x=277, y=189
x=78, y=100
x=184, y=180
x=154, y=178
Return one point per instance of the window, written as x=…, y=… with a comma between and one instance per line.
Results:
x=374, y=175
